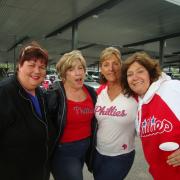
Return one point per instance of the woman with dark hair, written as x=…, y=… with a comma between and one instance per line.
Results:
x=158, y=117
x=27, y=137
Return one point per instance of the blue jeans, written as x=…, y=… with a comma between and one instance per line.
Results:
x=112, y=167
x=68, y=160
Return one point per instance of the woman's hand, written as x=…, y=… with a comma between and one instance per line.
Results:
x=174, y=158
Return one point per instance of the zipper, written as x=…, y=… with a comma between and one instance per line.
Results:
x=93, y=143
x=63, y=112
x=47, y=134
x=47, y=137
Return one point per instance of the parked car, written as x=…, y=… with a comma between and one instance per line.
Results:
x=91, y=82
x=176, y=76
x=10, y=73
x=55, y=84
x=52, y=77
x=94, y=74
x=46, y=84
x=88, y=81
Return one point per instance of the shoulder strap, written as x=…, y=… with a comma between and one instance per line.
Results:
x=98, y=91
x=92, y=93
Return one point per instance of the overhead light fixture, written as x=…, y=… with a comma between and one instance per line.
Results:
x=95, y=16
x=165, y=44
x=177, y=2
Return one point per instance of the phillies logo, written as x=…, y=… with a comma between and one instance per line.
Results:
x=111, y=111
x=124, y=146
x=153, y=126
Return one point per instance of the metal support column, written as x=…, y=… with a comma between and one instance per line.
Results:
x=7, y=65
x=14, y=54
x=74, y=36
x=161, y=51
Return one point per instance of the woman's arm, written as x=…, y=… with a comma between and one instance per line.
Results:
x=174, y=158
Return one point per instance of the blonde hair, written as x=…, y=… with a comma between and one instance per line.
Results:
x=105, y=54
x=66, y=61
x=108, y=52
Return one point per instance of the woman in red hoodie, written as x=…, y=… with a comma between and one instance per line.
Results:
x=158, y=117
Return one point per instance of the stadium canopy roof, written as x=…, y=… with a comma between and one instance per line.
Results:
x=91, y=25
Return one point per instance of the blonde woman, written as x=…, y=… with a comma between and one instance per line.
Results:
x=115, y=114
x=72, y=108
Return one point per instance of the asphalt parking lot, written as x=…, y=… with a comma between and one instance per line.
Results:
x=138, y=171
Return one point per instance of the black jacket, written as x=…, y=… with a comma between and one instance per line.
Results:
x=26, y=141
x=57, y=106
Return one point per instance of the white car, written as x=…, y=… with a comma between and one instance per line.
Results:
x=91, y=82
x=52, y=77
x=88, y=81
x=94, y=74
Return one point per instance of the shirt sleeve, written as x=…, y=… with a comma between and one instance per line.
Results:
x=170, y=93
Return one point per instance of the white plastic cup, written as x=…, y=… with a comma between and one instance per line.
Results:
x=168, y=148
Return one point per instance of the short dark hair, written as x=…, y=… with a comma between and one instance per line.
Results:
x=142, y=58
x=32, y=51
